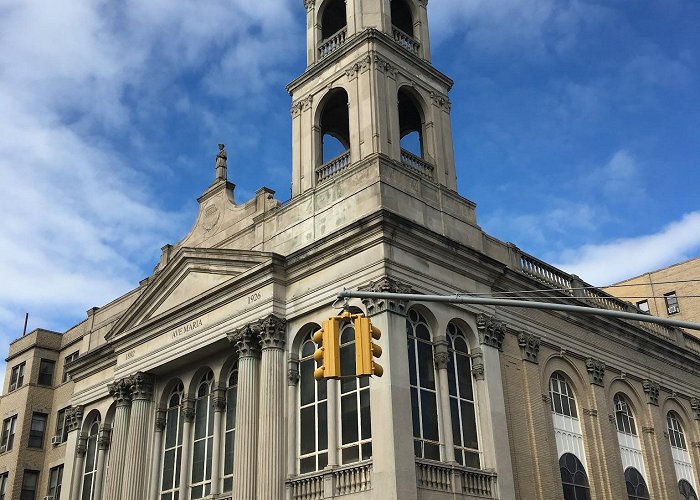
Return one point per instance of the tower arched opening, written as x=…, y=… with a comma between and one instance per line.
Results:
x=335, y=126
x=401, y=16
x=333, y=18
x=410, y=123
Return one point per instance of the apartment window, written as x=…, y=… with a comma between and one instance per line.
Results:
x=671, y=303
x=8, y=433
x=3, y=485
x=17, y=376
x=55, y=481
x=46, y=372
x=37, y=430
x=643, y=305
x=29, y=484
x=71, y=357
x=62, y=424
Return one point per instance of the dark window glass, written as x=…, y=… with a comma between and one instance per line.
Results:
x=46, y=367
x=636, y=487
x=623, y=416
x=17, y=376
x=172, y=447
x=8, y=433
x=37, y=430
x=230, y=436
x=563, y=402
x=675, y=431
x=3, y=485
x=90, y=467
x=686, y=490
x=203, y=438
x=29, y=485
x=573, y=478
x=313, y=411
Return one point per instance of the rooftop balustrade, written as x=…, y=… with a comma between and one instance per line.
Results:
x=331, y=44
x=406, y=41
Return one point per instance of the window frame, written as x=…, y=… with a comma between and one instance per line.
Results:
x=90, y=458
x=676, y=435
x=672, y=305
x=586, y=487
x=307, y=365
x=173, y=411
x=230, y=428
x=567, y=396
x=24, y=491
x=642, y=304
x=55, y=482
x=624, y=416
x=203, y=400
x=4, y=477
x=17, y=376
x=45, y=377
x=9, y=427
x=68, y=359
x=36, y=436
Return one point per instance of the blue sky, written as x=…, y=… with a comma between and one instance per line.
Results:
x=576, y=130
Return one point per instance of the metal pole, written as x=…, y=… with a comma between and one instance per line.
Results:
x=466, y=299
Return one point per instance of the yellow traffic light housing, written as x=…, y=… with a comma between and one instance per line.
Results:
x=328, y=354
x=365, y=349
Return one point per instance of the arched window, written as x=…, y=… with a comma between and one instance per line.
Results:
x=356, y=427
x=623, y=416
x=574, y=478
x=675, y=431
x=90, y=461
x=401, y=17
x=230, y=437
x=462, y=402
x=567, y=428
x=423, y=387
x=563, y=401
x=333, y=18
x=313, y=412
x=335, y=129
x=410, y=124
x=172, y=447
x=202, y=445
x=636, y=486
x=679, y=448
x=686, y=490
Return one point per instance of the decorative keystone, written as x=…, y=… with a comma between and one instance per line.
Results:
x=651, y=389
x=529, y=346
x=491, y=331
x=386, y=285
x=596, y=371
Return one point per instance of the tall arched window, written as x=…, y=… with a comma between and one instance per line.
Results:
x=203, y=438
x=679, y=448
x=313, y=412
x=172, y=447
x=563, y=401
x=462, y=403
x=335, y=131
x=623, y=416
x=636, y=486
x=401, y=16
x=333, y=18
x=230, y=437
x=574, y=478
x=90, y=469
x=628, y=440
x=356, y=426
x=686, y=490
x=423, y=387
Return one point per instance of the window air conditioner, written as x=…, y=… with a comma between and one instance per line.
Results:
x=55, y=440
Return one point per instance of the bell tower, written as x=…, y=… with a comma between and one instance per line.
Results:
x=369, y=93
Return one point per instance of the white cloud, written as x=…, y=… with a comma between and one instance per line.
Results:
x=611, y=262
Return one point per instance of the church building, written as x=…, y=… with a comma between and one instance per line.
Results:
x=198, y=384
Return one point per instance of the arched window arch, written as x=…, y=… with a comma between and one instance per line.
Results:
x=90, y=468
x=574, y=478
x=567, y=428
x=203, y=442
x=686, y=490
x=333, y=18
x=628, y=440
x=335, y=128
x=679, y=448
x=313, y=412
x=623, y=416
x=401, y=17
x=356, y=426
x=563, y=401
x=675, y=431
x=462, y=401
x=636, y=486
x=230, y=436
x=410, y=123
x=172, y=445
x=423, y=387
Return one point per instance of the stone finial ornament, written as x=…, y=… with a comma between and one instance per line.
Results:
x=221, y=160
x=651, y=389
x=491, y=331
x=596, y=371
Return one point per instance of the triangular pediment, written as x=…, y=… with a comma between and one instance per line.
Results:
x=191, y=275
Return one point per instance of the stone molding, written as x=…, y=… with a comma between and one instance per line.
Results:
x=121, y=391
x=293, y=376
x=441, y=101
x=651, y=389
x=385, y=285
x=81, y=449
x=477, y=358
x=218, y=399
x=441, y=359
x=188, y=409
x=592, y=412
x=245, y=340
x=648, y=430
x=74, y=418
x=142, y=386
x=695, y=405
x=491, y=331
x=596, y=371
x=160, y=419
x=529, y=346
x=272, y=332
x=104, y=437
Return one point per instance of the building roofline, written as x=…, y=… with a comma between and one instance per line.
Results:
x=654, y=271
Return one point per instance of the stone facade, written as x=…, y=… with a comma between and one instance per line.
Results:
x=197, y=382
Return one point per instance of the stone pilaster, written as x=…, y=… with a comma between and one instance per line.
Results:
x=442, y=359
x=121, y=392
x=103, y=440
x=157, y=454
x=219, y=407
x=273, y=334
x=394, y=465
x=186, y=469
x=134, y=482
x=79, y=466
x=245, y=450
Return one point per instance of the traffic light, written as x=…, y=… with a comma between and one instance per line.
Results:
x=328, y=354
x=365, y=349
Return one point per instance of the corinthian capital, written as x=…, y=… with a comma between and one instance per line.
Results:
x=142, y=387
x=273, y=332
x=121, y=391
x=387, y=285
x=246, y=342
x=491, y=331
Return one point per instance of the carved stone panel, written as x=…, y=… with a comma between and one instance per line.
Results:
x=491, y=331
x=596, y=371
x=385, y=285
x=651, y=389
x=529, y=346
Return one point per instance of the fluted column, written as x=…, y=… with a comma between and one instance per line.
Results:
x=245, y=449
x=121, y=392
x=102, y=446
x=134, y=481
x=273, y=333
x=157, y=454
x=186, y=469
x=80, y=451
x=219, y=407
x=74, y=418
x=442, y=359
